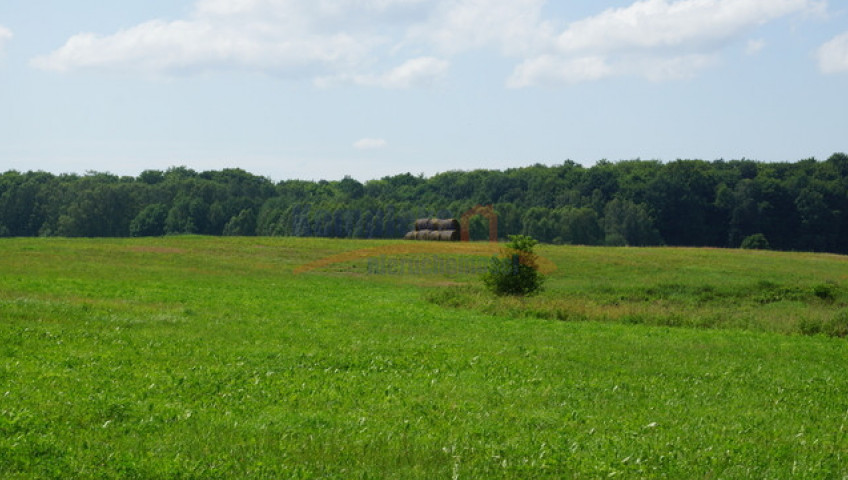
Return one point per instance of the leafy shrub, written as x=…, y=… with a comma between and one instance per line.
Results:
x=776, y=293
x=756, y=241
x=825, y=291
x=837, y=326
x=515, y=272
x=809, y=326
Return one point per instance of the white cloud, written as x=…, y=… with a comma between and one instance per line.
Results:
x=418, y=72
x=5, y=36
x=677, y=67
x=370, y=144
x=415, y=73
x=833, y=55
x=654, y=39
x=755, y=46
x=689, y=24
x=327, y=40
x=549, y=70
x=411, y=43
x=293, y=38
x=186, y=46
x=515, y=26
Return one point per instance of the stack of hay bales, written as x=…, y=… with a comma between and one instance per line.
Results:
x=435, y=229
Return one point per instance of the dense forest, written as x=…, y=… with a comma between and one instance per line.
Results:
x=791, y=206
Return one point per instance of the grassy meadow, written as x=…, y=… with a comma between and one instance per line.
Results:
x=203, y=358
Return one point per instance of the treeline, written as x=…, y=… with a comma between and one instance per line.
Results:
x=795, y=206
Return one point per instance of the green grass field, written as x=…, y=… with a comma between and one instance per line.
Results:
x=199, y=358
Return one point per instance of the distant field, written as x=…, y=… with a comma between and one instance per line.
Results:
x=198, y=358
x=704, y=288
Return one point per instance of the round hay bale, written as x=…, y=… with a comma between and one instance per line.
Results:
x=409, y=236
x=422, y=234
x=448, y=224
x=449, y=235
x=422, y=224
x=433, y=235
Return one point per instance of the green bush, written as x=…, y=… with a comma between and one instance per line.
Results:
x=515, y=272
x=809, y=326
x=825, y=291
x=836, y=326
x=756, y=241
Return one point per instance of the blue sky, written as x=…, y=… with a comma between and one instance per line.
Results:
x=320, y=89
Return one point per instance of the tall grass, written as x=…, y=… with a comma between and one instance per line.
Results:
x=786, y=293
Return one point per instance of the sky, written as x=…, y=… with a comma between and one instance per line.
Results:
x=322, y=89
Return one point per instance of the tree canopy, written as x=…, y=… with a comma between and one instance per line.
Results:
x=794, y=206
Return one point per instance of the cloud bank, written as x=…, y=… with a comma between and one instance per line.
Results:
x=654, y=39
x=412, y=43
